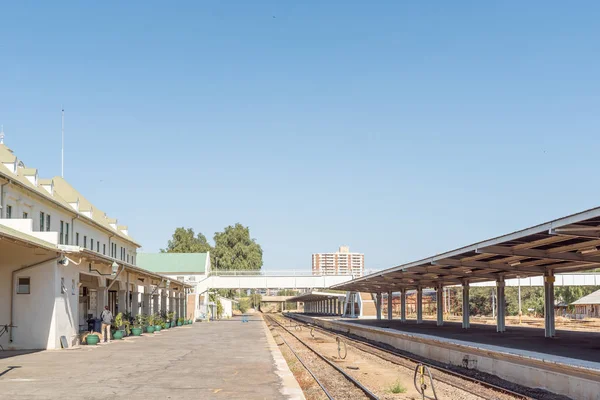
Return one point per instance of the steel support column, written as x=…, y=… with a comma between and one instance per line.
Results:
x=390, y=305
x=465, y=305
x=352, y=313
x=419, y=305
x=549, y=304
x=439, y=297
x=378, y=305
x=403, y=305
x=501, y=305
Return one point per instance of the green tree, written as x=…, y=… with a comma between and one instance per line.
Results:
x=235, y=250
x=287, y=292
x=184, y=241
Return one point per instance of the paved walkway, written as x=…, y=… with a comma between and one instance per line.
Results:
x=216, y=360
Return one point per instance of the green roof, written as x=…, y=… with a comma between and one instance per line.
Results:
x=166, y=263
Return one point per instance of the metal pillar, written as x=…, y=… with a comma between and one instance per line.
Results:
x=146, y=304
x=501, y=305
x=439, y=297
x=390, y=305
x=163, y=302
x=135, y=303
x=402, y=305
x=155, y=303
x=465, y=305
x=378, y=305
x=352, y=313
x=419, y=305
x=549, y=304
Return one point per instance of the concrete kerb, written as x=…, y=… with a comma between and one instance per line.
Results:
x=289, y=385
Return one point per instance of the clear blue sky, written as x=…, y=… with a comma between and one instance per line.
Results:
x=316, y=123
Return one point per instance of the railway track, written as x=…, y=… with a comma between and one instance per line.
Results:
x=326, y=382
x=449, y=377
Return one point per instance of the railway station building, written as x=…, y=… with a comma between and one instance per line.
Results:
x=62, y=260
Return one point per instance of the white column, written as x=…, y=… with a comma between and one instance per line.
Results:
x=465, y=305
x=378, y=305
x=390, y=305
x=403, y=305
x=500, y=322
x=439, y=296
x=419, y=305
x=549, y=330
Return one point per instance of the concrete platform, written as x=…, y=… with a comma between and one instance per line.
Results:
x=568, y=365
x=575, y=345
x=210, y=360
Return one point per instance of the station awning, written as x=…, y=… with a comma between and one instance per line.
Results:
x=567, y=244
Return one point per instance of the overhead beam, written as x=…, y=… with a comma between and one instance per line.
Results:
x=485, y=265
x=542, y=254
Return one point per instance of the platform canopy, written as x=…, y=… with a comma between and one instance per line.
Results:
x=315, y=296
x=564, y=245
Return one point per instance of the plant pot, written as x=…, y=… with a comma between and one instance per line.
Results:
x=150, y=329
x=136, y=331
x=118, y=335
x=166, y=326
x=92, y=340
x=191, y=321
x=179, y=323
x=157, y=328
x=173, y=324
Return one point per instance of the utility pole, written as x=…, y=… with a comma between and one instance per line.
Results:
x=520, y=311
x=62, y=150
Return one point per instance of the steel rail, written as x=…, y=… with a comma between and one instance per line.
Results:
x=357, y=343
x=356, y=383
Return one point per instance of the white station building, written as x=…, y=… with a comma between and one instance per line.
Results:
x=62, y=260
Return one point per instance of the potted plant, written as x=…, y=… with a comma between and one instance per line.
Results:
x=158, y=322
x=149, y=319
x=138, y=325
x=170, y=320
x=180, y=321
x=92, y=339
x=118, y=333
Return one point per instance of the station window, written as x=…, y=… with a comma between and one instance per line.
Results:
x=62, y=233
x=104, y=249
x=67, y=233
x=181, y=278
x=92, y=244
x=8, y=212
x=25, y=215
x=77, y=239
x=85, y=242
x=23, y=286
x=42, y=221
x=48, y=223
x=98, y=246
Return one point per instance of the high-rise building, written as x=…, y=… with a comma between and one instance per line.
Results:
x=340, y=263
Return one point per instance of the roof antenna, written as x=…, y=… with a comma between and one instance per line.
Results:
x=62, y=151
x=2, y=134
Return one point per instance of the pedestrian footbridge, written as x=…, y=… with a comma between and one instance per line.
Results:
x=268, y=280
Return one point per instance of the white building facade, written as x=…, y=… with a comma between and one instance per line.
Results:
x=62, y=260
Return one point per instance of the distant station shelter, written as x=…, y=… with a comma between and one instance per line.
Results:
x=563, y=245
